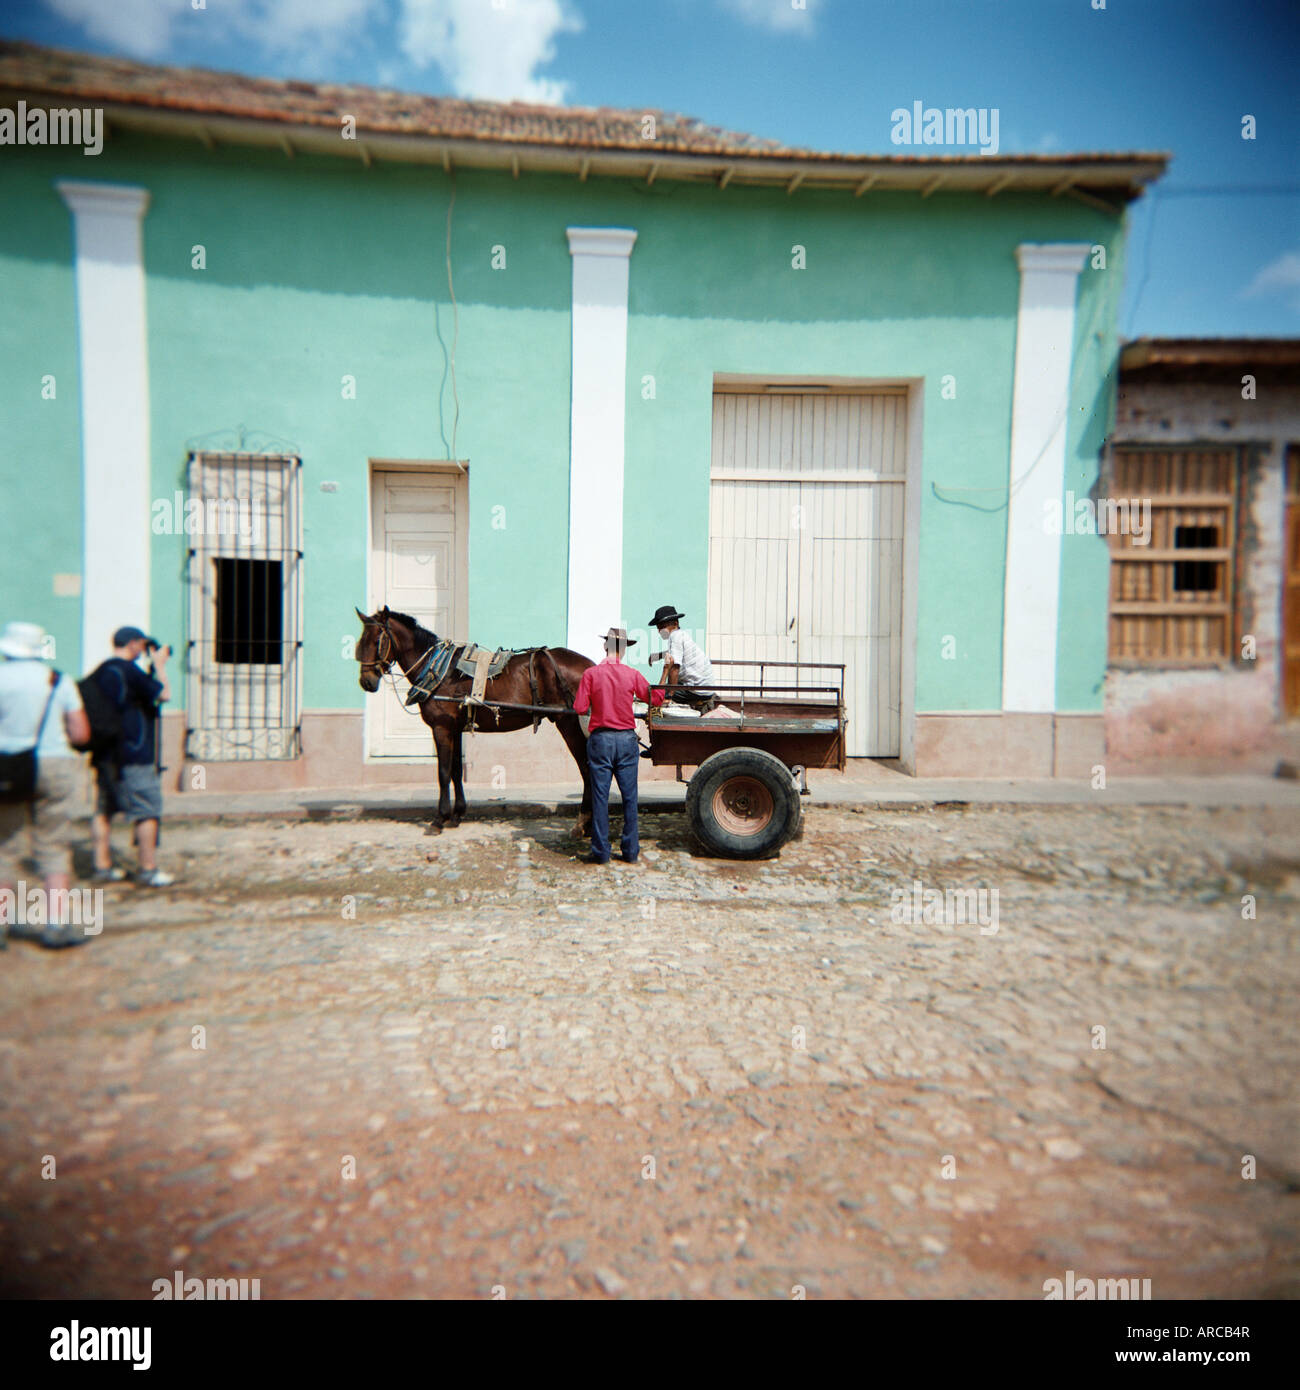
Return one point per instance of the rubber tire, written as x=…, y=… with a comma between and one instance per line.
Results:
x=787, y=809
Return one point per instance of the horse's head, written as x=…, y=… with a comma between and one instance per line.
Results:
x=375, y=649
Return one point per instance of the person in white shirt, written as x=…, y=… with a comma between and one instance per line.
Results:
x=40, y=708
x=694, y=669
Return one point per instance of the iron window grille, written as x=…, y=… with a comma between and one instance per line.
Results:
x=244, y=658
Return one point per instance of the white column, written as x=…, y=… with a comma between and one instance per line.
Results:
x=113, y=352
x=1039, y=416
x=600, y=273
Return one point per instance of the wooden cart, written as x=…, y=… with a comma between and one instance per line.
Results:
x=743, y=802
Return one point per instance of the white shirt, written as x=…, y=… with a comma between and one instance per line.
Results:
x=24, y=689
x=694, y=667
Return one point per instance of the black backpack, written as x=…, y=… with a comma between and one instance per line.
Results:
x=106, y=724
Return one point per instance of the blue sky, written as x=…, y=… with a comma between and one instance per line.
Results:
x=1215, y=250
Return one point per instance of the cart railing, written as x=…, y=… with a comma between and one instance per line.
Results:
x=762, y=665
x=774, y=686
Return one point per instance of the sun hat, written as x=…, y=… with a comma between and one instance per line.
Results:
x=25, y=641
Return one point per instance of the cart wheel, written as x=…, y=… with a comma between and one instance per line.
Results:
x=742, y=803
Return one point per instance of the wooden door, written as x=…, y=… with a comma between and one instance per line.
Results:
x=418, y=550
x=806, y=543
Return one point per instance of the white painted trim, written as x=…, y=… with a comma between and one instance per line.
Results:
x=112, y=338
x=601, y=241
x=911, y=572
x=1049, y=277
x=596, y=434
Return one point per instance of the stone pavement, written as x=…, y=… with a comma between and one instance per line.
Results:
x=444, y=1066
x=879, y=787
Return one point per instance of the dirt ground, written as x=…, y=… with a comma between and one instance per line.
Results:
x=354, y=1061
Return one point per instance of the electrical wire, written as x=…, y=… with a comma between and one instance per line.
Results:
x=455, y=326
x=1091, y=334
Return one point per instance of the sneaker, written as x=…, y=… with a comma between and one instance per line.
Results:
x=591, y=859
x=630, y=859
x=56, y=936
x=154, y=878
x=111, y=875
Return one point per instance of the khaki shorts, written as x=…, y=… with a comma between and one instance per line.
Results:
x=50, y=821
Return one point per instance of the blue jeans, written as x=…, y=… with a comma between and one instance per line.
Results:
x=613, y=753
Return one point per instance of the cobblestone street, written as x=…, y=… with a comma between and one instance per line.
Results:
x=685, y=1078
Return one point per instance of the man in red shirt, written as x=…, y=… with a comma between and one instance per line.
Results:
x=607, y=691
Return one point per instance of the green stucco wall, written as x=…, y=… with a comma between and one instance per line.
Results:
x=317, y=268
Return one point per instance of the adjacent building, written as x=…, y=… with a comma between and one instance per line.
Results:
x=1204, y=656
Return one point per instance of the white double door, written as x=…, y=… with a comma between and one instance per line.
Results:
x=418, y=548
x=806, y=545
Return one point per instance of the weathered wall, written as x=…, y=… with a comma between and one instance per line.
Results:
x=1204, y=720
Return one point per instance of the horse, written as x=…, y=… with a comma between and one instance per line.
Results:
x=536, y=676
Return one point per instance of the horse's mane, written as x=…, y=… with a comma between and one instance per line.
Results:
x=418, y=631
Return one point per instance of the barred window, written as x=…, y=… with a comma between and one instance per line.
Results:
x=1172, y=592
x=245, y=559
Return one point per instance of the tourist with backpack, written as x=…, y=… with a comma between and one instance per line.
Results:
x=41, y=718
x=124, y=709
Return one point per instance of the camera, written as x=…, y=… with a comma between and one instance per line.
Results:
x=151, y=647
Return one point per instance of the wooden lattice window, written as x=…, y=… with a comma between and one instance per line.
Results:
x=1172, y=591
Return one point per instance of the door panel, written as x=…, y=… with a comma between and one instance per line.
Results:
x=417, y=522
x=811, y=569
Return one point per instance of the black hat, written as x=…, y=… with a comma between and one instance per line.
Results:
x=666, y=614
x=618, y=634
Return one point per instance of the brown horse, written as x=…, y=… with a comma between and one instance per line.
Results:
x=538, y=676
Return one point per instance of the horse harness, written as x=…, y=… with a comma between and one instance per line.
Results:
x=481, y=666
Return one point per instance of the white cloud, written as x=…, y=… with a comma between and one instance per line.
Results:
x=1279, y=277
x=296, y=25
x=142, y=28
x=147, y=28
x=781, y=16
x=1048, y=143
x=490, y=48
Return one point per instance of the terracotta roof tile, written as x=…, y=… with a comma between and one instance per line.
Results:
x=80, y=78
x=48, y=72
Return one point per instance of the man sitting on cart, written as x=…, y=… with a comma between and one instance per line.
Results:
x=694, y=669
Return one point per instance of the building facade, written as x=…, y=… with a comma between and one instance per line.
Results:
x=278, y=351
x=1205, y=609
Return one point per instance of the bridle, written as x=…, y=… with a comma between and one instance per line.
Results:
x=384, y=656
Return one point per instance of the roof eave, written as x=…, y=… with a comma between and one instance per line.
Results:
x=1099, y=181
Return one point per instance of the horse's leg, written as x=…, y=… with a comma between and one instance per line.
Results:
x=571, y=732
x=458, y=775
x=444, y=737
